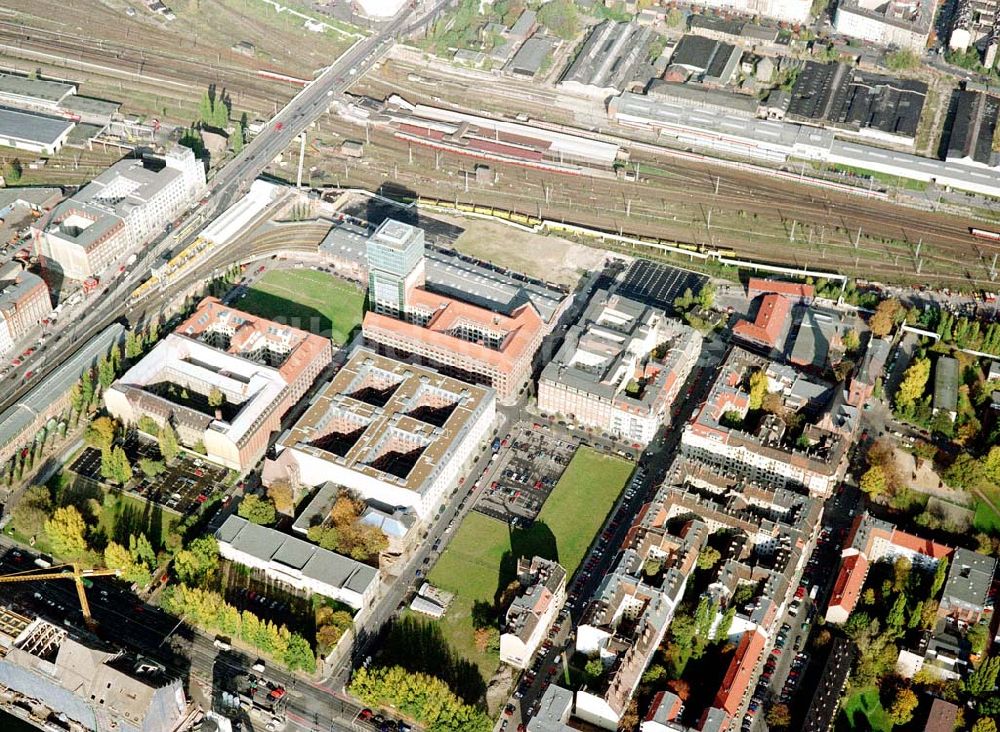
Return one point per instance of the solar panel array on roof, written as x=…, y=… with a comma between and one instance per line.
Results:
x=658, y=284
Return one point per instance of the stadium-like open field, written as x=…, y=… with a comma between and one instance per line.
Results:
x=304, y=298
x=481, y=558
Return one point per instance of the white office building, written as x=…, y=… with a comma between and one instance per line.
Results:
x=119, y=211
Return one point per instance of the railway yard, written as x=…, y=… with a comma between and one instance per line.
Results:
x=160, y=68
x=680, y=197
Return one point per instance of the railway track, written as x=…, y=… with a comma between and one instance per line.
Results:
x=165, y=74
x=675, y=206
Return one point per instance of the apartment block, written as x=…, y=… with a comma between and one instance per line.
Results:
x=787, y=11
x=224, y=379
x=765, y=451
x=531, y=614
x=393, y=433
x=118, y=212
x=620, y=368
x=24, y=303
x=85, y=683
x=627, y=620
x=901, y=23
x=965, y=596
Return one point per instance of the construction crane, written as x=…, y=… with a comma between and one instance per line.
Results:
x=70, y=571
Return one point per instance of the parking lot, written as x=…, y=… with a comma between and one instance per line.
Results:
x=529, y=465
x=182, y=487
x=658, y=284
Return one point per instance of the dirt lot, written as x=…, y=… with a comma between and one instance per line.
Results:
x=161, y=68
x=545, y=257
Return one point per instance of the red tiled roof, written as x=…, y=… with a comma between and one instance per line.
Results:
x=522, y=329
x=850, y=580
x=305, y=346
x=769, y=323
x=917, y=544
x=740, y=672
x=757, y=285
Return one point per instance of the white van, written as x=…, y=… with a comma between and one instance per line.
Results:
x=222, y=644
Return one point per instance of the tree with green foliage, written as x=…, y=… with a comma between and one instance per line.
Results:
x=148, y=425
x=873, y=482
x=902, y=60
x=561, y=18
x=940, y=575
x=896, y=619
x=722, y=629
x=141, y=549
x=594, y=668
x=101, y=433
x=105, y=373
x=239, y=137
x=115, y=465
x=681, y=644
x=851, y=341
x=965, y=472
x=706, y=296
x=32, y=511
x=168, y=442
x=708, y=557
x=983, y=680
x=257, y=510
x=133, y=345
x=197, y=564
x=215, y=397
x=87, y=389
x=914, y=382
x=76, y=401
x=12, y=172
x=151, y=468
x=758, y=388
x=978, y=636
x=66, y=532
x=210, y=611
x=132, y=569
x=425, y=698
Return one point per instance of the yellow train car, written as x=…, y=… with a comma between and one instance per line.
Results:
x=483, y=210
x=467, y=207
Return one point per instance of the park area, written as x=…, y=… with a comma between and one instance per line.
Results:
x=314, y=301
x=481, y=560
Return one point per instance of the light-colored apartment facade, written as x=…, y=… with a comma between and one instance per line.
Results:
x=24, y=303
x=118, y=212
x=620, y=369
x=533, y=611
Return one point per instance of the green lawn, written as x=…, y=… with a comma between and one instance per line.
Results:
x=304, y=298
x=481, y=558
x=864, y=711
x=122, y=515
x=986, y=519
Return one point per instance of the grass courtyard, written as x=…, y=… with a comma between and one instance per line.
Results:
x=863, y=711
x=986, y=519
x=305, y=298
x=481, y=559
